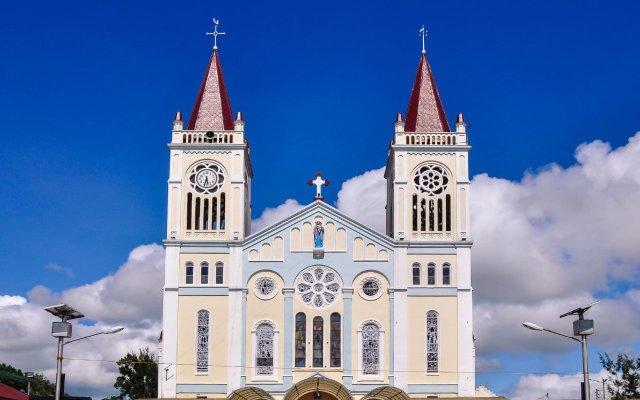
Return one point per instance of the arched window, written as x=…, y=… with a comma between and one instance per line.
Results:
x=301, y=340
x=219, y=273
x=446, y=274
x=204, y=273
x=202, y=342
x=318, y=339
x=264, y=353
x=432, y=341
x=188, y=273
x=431, y=274
x=415, y=270
x=334, y=341
x=370, y=349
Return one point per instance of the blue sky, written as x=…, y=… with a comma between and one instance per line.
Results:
x=89, y=90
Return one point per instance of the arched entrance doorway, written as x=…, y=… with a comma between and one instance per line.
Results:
x=318, y=388
x=386, y=393
x=249, y=393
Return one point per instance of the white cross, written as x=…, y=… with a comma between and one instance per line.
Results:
x=318, y=182
x=423, y=33
x=215, y=33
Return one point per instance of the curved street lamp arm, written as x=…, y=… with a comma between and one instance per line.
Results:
x=84, y=337
x=562, y=334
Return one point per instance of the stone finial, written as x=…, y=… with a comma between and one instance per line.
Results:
x=238, y=124
x=399, y=124
x=461, y=125
x=178, y=122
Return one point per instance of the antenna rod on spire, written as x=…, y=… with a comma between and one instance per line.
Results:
x=423, y=33
x=215, y=33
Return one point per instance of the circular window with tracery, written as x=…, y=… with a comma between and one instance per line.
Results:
x=206, y=177
x=370, y=288
x=318, y=287
x=431, y=179
x=265, y=288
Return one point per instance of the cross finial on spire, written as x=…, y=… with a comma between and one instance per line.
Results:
x=423, y=33
x=215, y=33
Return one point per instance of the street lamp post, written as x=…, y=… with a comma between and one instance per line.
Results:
x=62, y=330
x=581, y=327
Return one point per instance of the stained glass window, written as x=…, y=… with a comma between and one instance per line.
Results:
x=432, y=341
x=264, y=353
x=334, y=340
x=318, y=338
x=370, y=349
x=202, y=342
x=301, y=340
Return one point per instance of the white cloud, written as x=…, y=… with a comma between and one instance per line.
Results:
x=557, y=386
x=272, y=215
x=131, y=297
x=364, y=198
x=59, y=268
x=6, y=300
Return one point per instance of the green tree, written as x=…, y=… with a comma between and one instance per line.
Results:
x=625, y=376
x=40, y=385
x=138, y=375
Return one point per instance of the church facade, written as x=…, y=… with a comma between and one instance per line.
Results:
x=317, y=305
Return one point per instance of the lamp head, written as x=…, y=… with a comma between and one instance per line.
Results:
x=115, y=329
x=532, y=326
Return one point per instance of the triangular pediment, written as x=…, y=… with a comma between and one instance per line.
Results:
x=341, y=237
x=319, y=210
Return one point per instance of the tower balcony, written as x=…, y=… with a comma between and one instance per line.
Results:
x=430, y=138
x=208, y=137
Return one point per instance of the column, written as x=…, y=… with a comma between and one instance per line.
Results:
x=288, y=336
x=347, y=335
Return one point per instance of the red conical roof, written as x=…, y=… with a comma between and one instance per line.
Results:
x=425, y=112
x=212, y=110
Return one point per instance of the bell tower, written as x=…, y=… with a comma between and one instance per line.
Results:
x=428, y=216
x=210, y=170
x=427, y=169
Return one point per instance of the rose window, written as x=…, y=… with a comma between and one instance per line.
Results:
x=265, y=288
x=431, y=179
x=206, y=178
x=370, y=288
x=318, y=287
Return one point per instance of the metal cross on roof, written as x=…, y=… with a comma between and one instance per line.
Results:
x=423, y=33
x=215, y=33
x=318, y=183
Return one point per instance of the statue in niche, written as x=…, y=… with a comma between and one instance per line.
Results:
x=318, y=235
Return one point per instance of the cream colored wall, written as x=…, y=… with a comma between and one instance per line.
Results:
x=259, y=310
x=377, y=310
x=197, y=259
x=235, y=201
x=439, y=260
x=218, y=307
x=447, y=308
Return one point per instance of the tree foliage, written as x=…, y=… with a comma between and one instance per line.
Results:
x=624, y=380
x=40, y=385
x=138, y=375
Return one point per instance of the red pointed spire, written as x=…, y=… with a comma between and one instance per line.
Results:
x=425, y=112
x=212, y=110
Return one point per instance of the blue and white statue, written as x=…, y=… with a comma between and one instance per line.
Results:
x=318, y=235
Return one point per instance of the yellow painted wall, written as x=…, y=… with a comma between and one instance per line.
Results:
x=258, y=310
x=188, y=306
x=447, y=308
